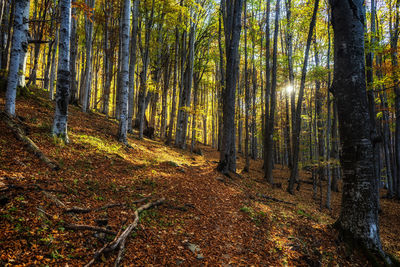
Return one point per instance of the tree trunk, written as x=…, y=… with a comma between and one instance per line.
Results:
x=53, y=68
x=246, y=96
x=16, y=53
x=297, y=126
x=88, y=67
x=173, y=108
x=394, y=36
x=24, y=51
x=358, y=218
x=73, y=58
x=132, y=63
x=232, y=21
x=63, y=73
x=271, y=117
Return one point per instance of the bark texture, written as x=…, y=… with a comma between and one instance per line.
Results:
x=63, y=73
x=359, y=211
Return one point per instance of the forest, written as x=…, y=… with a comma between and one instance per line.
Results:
x=199, y=132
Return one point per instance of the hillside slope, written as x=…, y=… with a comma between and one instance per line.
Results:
x=207, y=219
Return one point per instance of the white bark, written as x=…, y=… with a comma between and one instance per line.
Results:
x=124, y=75
x=16, y=51
x=24, y=46
x=63, y=73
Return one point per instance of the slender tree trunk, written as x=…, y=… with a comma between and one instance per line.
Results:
x=53, y=68
x=143, y=75
x=289, y=43
x=123, y=122
x=247, y=96
x=296, y=129
x=88, y=77
x=271, y=117
x=132, y=63
x=63, y=73
x=267, y=87
x=173, y=108
x=73, y=57
x=328, y=130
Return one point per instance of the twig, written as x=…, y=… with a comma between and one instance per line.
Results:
x=119, y=240
x=55, y=200
x=89, y=228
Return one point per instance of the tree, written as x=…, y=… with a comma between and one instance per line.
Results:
x=88, y=68
x=123, y=120
x=17, y=52
x=232, y=11
x=63, y=73
x=270, y=118
x=359, y=212
x=297, y=124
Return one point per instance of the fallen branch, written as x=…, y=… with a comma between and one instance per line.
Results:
x=19, y=134
x=119, y=240
x=58, y=202
x=275, y=199
x=29, y=187
x=89, y=228
x=83, y=210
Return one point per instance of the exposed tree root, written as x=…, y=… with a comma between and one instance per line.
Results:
x=120, y=239
x=376, y=256
x=19, y=134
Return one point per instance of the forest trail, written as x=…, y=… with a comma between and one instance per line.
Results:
x=207, y=219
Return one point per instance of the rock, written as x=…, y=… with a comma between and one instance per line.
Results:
x=200, y=256
x=193, y=247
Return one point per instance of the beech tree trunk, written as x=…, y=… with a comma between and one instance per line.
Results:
x=358, y=218
x=269, y=144
x=173, y=108
x=297, y=124
x=132, y=63
x=88, y=67
x=24, y=51
x=124, y=75
x=232, y=11
x=73, y=58
x=63, y=74
x=16, y=53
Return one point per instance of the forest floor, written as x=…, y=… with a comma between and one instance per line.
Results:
x=208, y=219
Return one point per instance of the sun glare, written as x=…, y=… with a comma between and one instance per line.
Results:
x=289, y=89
